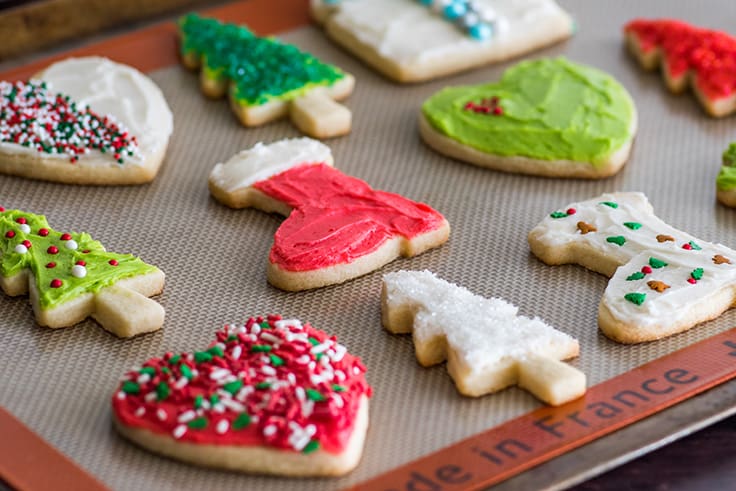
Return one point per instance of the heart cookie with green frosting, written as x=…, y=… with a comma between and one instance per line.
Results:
x=547, y=117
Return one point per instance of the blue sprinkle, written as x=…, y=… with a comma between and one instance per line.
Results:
x=455, y=10
x=480, y=31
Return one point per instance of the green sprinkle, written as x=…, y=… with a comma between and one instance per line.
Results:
x=314, y=395
x=276, y=360
x=242, y=421
x=656, y=263
x=636, y=298
x=695, y=246
x=198, y=423
x=233, y=387
x=311, y=446
x=202, y=356
x=130, y=387
x=314, y=341
x=260, y=348
x=165, y=370
x=216, y=351
x=162, y=391
x=697, y=274
x=558, y=214
x=186, y=371
x=214, y=399
x=636, y=276
x=198, y=400
x=610, y=204
x=148, y=371
x=617, y=239
x=338, y=388
x=175, y=359
x=263, y=385
x=633, y=225
x=231, y=337
x=265, y=325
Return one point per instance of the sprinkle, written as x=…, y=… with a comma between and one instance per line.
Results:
x=162, y=391
x=236, y=352
x=633, y=225
x=161, y=414
x=276, y=361
x=222, y=426
x=198, y=423
x=311, y=447
x=130, y=387
x=635, y=276
x=233, y=387
x=269, y=430
x=260, y=348
x=697, y=274
x=610, y=204
x=140, y=412
x=619, y=240
x=242, y=421
x=186, y=416
x=314, y=395
x=656, y=263
x=179, y=431
x=636, y=298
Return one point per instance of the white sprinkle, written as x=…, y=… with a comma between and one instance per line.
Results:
x=181, y=383
x=340, y=351
x=340, y=375
x=79, y=271
x=219, y=373
x=269, y=430
x=187, y=416
x=221, y=346
x=291, y=378
x=179, y=431
x=252, y=372
x=356, y=370
x=303, y=360
x=222, y=426
x=150, y=397
x=20, y=249
x=307, y=408
x=244, y=393
x=268, y=370
x=25, y=228
x=140, y=412
x=300, y=393
x=71, y=244
x=227, y=380
x=339, y=402
x=312, y=366
x=218, y=408
x=267, y=336
x=320, y=348
x=236, y=352
x=143, y=378
x=285, y=323
x=233, y=405
x=161, y=414
x=255, y=329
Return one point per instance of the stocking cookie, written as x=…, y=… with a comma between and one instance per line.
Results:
x=87, y=121
x=686, y=54
x=70, y=277
x=271, y=396
x=487, y=345
x=548, y=117
x=663, y=281
x=338, y=228
x=726, y=180
x=413, y=41
x=264, y=78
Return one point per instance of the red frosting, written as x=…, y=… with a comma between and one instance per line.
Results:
x=337, y=219
x=271, y=382
x=711, y=55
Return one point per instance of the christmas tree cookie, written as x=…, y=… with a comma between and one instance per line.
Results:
x=418, y=40
x=86, y=121
x=272, y=396
x=690, y=57
x=726, y=180
x=663, y=280
x=264, y=78
x=548, y=117
x=487, y=345
x=338, y=227
x=70, y=277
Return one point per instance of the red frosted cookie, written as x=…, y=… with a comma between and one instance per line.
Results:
x=689, y=55
x=338, y=227
x=271, y=396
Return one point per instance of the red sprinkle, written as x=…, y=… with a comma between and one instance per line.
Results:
x=43, y=232
x=21, y=220
x=81, y=263
x=52, y=250
x=56, y=283
x=646, y=270
x=113, y=262
x=498, y=110
x=571, y=211
x=687, y=247
x=692, y=281
x=51, y=265
x=27, y=243
x=9, y=234
x=66, y=237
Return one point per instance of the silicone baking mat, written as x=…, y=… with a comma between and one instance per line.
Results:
x=59, y=382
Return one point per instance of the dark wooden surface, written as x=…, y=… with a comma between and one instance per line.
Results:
x=705, y=460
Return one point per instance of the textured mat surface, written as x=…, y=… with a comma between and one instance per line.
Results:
x=59, y=382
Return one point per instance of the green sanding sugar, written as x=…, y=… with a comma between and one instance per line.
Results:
x=261, y=69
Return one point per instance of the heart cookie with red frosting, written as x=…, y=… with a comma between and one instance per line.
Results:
x=270, y=396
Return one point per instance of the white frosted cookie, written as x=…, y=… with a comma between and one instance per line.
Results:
x=337, y=227
x=663, y=280
x=487, y=345
x=84, y=121
x=409, y=41
x=270, y=396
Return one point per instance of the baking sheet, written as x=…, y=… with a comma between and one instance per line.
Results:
x=59, y=382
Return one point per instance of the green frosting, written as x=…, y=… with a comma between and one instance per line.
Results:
x=99, y=272
x=550, y=109
x=260, y=69
x=726, y=179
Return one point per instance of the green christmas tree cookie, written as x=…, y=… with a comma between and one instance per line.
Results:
x=265, y=78
x=726, y=180
x=70, y=276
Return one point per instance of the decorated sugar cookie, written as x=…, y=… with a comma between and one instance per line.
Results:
x=338, y=227
x=690, y=57
x=663, y=281
x=85, y=121
x=418, y=40
x=487, y=345
x=264, y=78
x=547, y=117
x=70, y=277
x=271, y=396
x=726, y=180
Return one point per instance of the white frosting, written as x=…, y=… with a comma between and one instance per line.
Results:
x=667, y=307
x=481, y=331
x=263, y=161
x=113, y=89
x=407, y=32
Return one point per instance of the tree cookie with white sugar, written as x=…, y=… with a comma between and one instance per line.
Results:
x=271, y=396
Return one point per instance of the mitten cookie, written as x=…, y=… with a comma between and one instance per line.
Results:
x=700, y=58
x=87, y=121
x=726, y=180
x=413, y=41
x=487, y=345
x=663, y=281
x=338, y=227
x=70, y=277
x=548, y=117
x=264, y=78
x=272, y=396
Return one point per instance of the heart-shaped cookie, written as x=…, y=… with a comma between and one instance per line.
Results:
x=271, y=396
x=548, y=117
